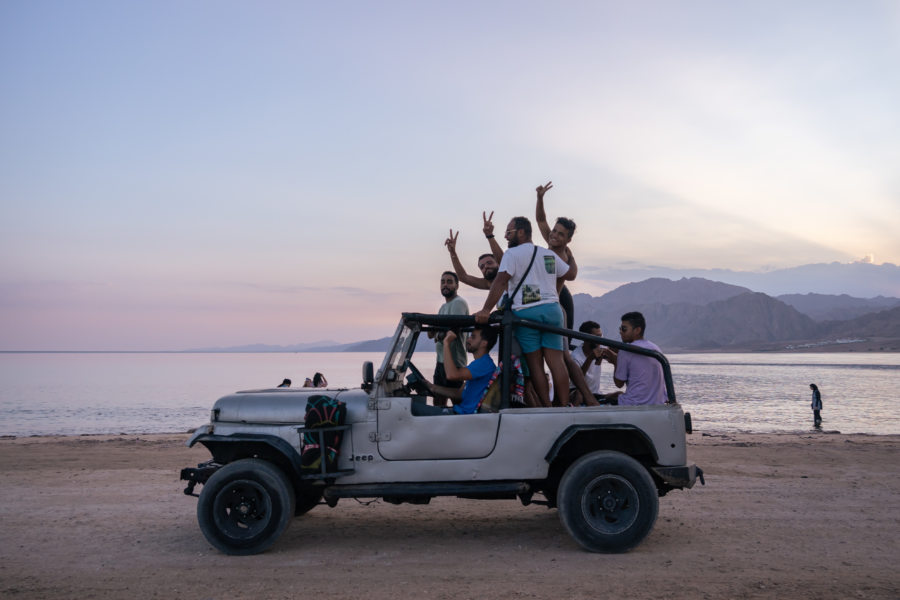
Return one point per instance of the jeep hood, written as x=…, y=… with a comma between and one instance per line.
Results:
x=283, y=405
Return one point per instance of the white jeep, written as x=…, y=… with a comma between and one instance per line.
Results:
x=602, y=467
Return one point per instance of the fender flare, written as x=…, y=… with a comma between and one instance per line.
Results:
x=290, y=454
x=574, y=430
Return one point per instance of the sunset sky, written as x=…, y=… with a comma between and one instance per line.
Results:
x=189, y=174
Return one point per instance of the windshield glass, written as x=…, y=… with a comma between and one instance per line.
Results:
x=394, y=359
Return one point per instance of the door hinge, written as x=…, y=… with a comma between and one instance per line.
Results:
x=379, y=437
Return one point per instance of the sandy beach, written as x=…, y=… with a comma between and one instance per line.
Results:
x=782, y=516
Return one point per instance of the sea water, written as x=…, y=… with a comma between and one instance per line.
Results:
x=89, y=393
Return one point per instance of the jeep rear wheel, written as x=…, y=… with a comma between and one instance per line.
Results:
x=245, y=506
x=607, y=502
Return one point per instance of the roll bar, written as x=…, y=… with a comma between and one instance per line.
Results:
x=506, y=320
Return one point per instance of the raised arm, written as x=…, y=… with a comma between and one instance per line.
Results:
x=539, y=214
x=613, y=357
x=589, y=357
x=453, y=372
x=488, y=230
x=572, y=273
x=476, y=282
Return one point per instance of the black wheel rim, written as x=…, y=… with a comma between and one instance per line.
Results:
x=610, y=504
x=242, y=510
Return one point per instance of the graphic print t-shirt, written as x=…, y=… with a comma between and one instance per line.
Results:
x=539, y=286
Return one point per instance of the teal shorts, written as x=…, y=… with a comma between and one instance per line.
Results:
x=533, y=340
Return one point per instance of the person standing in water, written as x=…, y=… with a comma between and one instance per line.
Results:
x=816, y=404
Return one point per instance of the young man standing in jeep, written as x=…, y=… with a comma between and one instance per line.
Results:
x=532, y=276
x=474, y=377
x=453, y=305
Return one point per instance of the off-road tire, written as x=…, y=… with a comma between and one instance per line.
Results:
x=245, y=506
x=607, y=502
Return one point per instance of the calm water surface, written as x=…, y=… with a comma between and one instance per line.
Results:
x=42, y=394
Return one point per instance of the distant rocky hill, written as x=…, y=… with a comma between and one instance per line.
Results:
x=695, y=314
x=862, y=279
x=304, y=347
x=379, y=345
x=693, y=290
x=825, y=307
x=884, y=324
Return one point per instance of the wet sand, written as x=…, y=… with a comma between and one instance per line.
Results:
x=811, y=515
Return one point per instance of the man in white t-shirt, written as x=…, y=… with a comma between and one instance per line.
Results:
x=588, y=357
x=536, y=299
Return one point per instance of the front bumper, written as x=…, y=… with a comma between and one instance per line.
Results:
x=199, y=475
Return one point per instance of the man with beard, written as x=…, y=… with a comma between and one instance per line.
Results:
x=536, y=298
x=474, y=377
x=453, y=305
x=487, y=264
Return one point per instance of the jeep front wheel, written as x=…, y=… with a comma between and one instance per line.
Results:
x=245, y=506
x=607, y=502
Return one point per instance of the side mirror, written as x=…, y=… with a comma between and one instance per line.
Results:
x=368, y=373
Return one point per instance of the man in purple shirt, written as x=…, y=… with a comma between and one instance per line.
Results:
x=643, y=374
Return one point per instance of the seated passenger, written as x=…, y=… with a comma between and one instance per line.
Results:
x=643, y=374
x=476, y=376
x=588, y=357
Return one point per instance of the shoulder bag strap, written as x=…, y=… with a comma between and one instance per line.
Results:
x=509, y=299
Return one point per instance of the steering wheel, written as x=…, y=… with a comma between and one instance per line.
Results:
x=415, y=380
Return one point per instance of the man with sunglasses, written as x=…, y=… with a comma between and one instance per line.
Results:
x=643, y=374
x=535, y=296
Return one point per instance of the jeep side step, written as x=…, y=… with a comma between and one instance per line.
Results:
x=417, y=492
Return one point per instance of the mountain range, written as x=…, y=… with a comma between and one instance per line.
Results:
x=695, y=314
x=699, y=315
x=322, y=346
x=862, y=279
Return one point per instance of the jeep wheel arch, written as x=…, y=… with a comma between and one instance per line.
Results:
x=578, y=440
x=227, y=449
